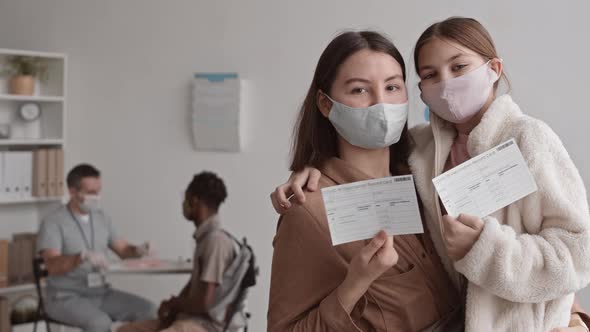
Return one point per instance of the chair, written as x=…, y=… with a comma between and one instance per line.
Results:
x=40, y=272
x=233, y=309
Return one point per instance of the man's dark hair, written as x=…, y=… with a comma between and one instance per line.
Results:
x=79, y=172
x=208, y=188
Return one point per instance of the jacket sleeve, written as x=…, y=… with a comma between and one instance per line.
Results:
x=551, y=258
x=306, y=271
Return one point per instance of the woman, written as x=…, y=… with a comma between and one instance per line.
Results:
x=370, y=285
x=524, y=262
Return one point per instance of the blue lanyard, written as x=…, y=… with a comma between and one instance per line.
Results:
x=86, y=242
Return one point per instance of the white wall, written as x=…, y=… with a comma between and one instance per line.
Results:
x=131, y=63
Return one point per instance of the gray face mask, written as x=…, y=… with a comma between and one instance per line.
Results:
x=91, y=202
x=374, y=127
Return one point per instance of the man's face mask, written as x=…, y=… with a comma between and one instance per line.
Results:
x=89, y=203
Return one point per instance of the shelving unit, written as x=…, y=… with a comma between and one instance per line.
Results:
x=49, y=130
x=23, y=214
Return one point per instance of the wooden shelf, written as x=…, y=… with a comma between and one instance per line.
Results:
x=17, y=288
x=30, y=200
x=40, y=99
x=49, y=55
x=30, y=142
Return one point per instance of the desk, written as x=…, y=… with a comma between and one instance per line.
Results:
x=150, y=266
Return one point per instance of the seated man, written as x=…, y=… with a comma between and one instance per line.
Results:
x=214, y=252
x=73, y=241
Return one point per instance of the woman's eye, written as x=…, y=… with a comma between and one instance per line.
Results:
x=458, y=67
x=359, y=90
x=392, y=88
x=427, y=76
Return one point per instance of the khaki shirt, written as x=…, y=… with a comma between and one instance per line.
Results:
x=307, y=269
x=213, y=253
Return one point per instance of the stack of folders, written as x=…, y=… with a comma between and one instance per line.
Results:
x=26, y=174
x=5, y=315
x=16, y=259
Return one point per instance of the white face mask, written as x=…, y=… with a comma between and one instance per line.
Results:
x=374, y=127
x=91, y=202
x=458, y=99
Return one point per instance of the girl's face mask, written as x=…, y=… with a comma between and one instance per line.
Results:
x=460, y=98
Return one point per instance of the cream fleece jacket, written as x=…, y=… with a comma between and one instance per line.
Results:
x=532, y=255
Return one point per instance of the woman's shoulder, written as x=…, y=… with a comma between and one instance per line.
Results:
x=311, y=214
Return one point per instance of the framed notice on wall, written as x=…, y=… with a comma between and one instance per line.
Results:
x=216, y=112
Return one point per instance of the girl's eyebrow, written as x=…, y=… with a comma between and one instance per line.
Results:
x=451, y=59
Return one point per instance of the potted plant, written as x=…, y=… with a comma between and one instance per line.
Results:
x=22, y=71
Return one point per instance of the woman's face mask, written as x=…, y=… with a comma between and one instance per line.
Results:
x=373, y=127
x=368, y=98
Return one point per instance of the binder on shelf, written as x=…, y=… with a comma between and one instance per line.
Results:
x=18, y=174
x=2, y=181
x=27, y=243
x=40, y=173
x=4, y=262
x=26, y=173
x=17, y=271
x=60, y=173
x=5, y=309
x=11, y=175
x=51, y=173
x=13, y=263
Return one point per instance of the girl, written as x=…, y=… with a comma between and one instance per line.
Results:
x=524, y=262
x=370, y=285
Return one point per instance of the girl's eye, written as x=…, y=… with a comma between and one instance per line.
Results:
x=428, y=76
x=458, y=67
x=359, y=90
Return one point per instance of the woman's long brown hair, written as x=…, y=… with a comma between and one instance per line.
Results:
x=315, y=139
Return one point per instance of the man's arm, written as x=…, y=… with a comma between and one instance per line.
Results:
x=120, y=246
x=58, y=264
x=197, y=303
x=217, y=251
x=185, y=290
x=124, y=249
x=50, y=246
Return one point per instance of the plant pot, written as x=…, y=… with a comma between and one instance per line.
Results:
x=22, y=85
